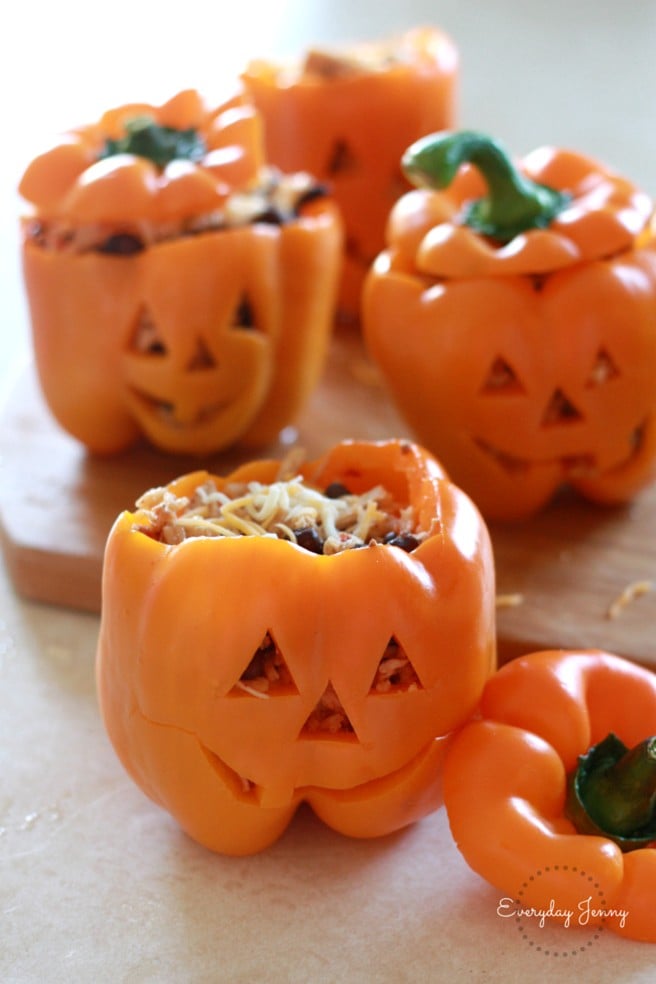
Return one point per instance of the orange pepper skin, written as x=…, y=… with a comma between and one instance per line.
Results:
x=155, y=344
x=528, y=365
x=180, y=624
x=106, y=392
x=69, y=181
x=350, y=129
x=505, y=783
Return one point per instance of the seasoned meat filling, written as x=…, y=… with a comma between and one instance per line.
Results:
x=278, y=199
x=322, y=522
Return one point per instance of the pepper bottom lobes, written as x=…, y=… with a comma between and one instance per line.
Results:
x=180, y=624
x=509, y=780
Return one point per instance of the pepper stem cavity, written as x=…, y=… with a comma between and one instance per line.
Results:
x=513, y=204
x=160, y=144
x=612, y=792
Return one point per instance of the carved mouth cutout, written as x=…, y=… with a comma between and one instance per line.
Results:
x=560, y=411
x=248, y=792
x=169, y=415
x=572, y=466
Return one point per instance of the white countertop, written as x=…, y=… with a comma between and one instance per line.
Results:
x=96, y=883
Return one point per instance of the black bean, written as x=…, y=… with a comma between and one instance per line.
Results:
x=336, y=490
x=312, y=194
x=122, y=244
x=405, y=541
x=270, y=216
x=309, y=539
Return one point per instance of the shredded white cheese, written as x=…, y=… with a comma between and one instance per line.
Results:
x=629, y=594
x=287, y=509
x=509, y=600
x=277, y=198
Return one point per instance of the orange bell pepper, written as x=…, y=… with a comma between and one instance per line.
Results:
x=542, y=801
x=516, y=327
x=347, y=117
x=178, y=290
x=181, y=622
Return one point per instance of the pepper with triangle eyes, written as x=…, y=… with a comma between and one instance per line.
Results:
x=241, y=674
x=515, y=325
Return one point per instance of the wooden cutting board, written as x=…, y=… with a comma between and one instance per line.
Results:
x=562, y=570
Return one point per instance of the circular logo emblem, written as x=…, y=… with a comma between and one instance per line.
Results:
x=553, y=929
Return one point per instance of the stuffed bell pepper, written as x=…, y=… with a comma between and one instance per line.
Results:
x=551, y=795
x=283, y=635
x=513, y=316
x=179, y=288
x=346, y=115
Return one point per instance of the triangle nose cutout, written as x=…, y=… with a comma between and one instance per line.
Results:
x=560, y=410
x=202, y=358
x=342, y=159
x=328, y=718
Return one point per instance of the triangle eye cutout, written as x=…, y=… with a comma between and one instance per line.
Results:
x=395, y=673
x=501, y=378
x=146, y=339
x=342, y=159
x=328, y=719
x=603, y=370
x=560, y=410
x=267, y=674
x=202, y=358
x=244, y=316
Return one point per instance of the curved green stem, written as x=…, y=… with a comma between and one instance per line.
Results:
x=612, y=792
x=513, y=204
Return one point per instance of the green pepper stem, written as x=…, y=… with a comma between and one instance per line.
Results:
x=613, y=791
x=513, y=204
x=159, y=144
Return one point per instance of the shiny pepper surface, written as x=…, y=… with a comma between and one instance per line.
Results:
x=347, y=116
x=516, y=330
x=180, y=625
x=506, y=782
x=152, y=314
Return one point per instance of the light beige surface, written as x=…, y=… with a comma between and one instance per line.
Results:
x=96, y=884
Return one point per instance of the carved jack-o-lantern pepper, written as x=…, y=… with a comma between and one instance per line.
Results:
x=268, y=640
x=516, y=328
x=347, y=117
x=178, y=288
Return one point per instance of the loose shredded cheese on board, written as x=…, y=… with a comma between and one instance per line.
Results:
x=629, y=594
x=509, y=600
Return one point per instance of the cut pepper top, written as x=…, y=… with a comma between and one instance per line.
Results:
x=140, y=161
x=570, y=210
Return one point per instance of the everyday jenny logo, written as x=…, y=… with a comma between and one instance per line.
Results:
x=545, y=928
